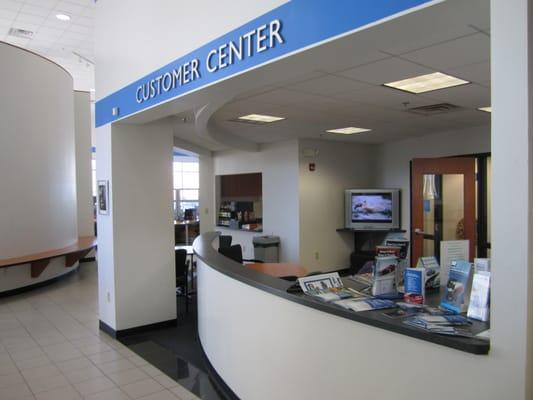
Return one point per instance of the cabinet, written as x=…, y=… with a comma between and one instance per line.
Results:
x=241, y=185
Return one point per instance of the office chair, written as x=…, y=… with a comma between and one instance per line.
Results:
x=235, y=253
x=224, y=241
x=182, y=268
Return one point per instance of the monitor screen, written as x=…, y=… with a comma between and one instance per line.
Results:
x=372, y=207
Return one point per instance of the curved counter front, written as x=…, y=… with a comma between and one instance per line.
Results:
x=266, y=343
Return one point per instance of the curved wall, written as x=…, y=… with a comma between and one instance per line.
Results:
x=37, y=155
x=267, y=347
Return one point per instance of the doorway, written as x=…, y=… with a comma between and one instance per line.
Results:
x=450, y=200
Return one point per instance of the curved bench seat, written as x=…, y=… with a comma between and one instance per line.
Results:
x=39, y=261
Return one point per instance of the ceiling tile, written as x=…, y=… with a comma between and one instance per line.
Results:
x=10, y=5
x=455, y=53
x=328, y=85
x=8, y=14
x=478, y=72
x=80, y=28
x=387, y=70
x=472, y=95
x=85, y=21
x=35, y=10
x=43, y=3
x=29, y=18
x=69, y=8
x=26, y=26
x=385, y=97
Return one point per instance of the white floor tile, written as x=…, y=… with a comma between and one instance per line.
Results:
x=110, y=394
x=142, y=388
x=128, y=376
x=64, y=393
x=166, y=381
x=94, y=385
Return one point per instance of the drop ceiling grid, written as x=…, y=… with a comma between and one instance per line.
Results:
x=54, y=39
x=358, y=92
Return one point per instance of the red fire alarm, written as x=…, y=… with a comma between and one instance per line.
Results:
x=311, y=166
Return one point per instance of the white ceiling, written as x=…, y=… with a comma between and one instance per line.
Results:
x=355, y=96
x=55, y=39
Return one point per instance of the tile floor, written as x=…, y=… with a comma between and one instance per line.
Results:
x=51, y=349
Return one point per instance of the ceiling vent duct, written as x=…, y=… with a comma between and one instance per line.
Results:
x=434, y=109
x=20, y=33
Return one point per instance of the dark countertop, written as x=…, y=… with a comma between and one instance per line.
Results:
x=204, y=251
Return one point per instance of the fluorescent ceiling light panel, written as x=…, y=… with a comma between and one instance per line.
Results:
x=486, y=109
x=427, y=83
x=63, y=17
x=349, y=130
x=265, y=119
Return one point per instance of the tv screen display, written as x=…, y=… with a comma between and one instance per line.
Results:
x=372, y=207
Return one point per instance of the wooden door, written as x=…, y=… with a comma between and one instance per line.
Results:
x=443, y=204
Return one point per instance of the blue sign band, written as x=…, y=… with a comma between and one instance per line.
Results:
x=286, y=29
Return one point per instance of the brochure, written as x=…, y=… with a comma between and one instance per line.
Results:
x=450, y=251
x=481, y=264
x=365, y=304
x=455, y=325
x=479, y=297
x=403, y=244
x=382, y=251
x=432, y=271
x=384, y=275
x=454, y=298
x=327, y=287
x=414, y=285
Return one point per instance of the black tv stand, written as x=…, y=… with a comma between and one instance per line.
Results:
x=364, y=244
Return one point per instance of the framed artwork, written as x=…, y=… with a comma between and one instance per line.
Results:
x=103, y=197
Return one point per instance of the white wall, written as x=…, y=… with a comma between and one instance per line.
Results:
x=136, y=256
x=82, y=119
x=393, y=169
x=37, y=155
x=512, y=192
x=20, y=275
x=278, y=163
x=153, y=34
x=339, y=166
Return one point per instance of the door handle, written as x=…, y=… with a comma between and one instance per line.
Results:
x=425, y=235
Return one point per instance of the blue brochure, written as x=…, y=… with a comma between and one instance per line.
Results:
x=454, y=295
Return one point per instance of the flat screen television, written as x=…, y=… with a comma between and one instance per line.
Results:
x=372, y=209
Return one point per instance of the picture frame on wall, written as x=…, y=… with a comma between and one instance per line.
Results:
x=103, y=197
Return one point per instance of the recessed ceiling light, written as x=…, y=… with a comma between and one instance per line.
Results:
x=63, y=17
x=486, y=109
x=264, y=119
x=427, y=83
x=349, y=130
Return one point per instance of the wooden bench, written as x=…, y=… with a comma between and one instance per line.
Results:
x=39, y=261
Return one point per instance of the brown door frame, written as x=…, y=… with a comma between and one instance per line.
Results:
x=465, y=166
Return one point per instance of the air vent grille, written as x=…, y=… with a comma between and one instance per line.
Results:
x=434, y=109
x=21, y=33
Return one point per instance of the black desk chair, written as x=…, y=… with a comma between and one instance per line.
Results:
x=182, y=268
x=224, y=241
x=235, y=253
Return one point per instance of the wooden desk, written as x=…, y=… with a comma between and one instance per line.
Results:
x=278, y=270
